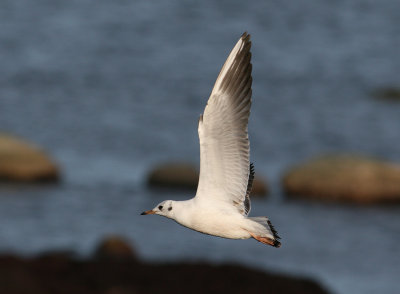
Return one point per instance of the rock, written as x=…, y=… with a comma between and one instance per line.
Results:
x=174, y=175
x=89, y=276
x=114, y=247
x=118, y=290
x=186, y=176
x=345, y=178
x=21, y=161
x=392, y=94
x=260, y=187
x=57, y=255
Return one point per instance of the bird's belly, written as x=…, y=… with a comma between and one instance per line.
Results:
x=219, y=225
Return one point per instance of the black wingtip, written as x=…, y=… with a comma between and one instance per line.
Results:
x=252, y=169
x=249, y=184
x=274, y=232
x=277, y=244
x=245, y=36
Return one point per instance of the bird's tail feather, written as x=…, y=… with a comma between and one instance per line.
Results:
x=271, y=238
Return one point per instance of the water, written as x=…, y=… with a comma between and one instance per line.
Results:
x=111, y=89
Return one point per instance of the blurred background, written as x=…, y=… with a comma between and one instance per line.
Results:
x=111, y=89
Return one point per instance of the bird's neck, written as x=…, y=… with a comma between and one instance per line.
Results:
x=183, y=211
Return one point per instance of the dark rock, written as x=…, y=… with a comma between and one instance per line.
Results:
x=186, y=176
x=345, y=178
x=114, y=247
x=44, y=276
x=390, y=94
x=174, y=175
x=260, y=187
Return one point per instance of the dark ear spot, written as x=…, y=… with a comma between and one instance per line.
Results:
x=170, y=208
x=160, y=207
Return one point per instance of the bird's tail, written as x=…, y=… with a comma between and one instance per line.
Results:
x=267, y=234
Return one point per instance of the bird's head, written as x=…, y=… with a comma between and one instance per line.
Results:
x=165, y=208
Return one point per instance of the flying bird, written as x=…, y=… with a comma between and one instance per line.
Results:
x=222, y=201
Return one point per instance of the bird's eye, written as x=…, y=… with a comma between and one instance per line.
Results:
x=170, y=208
x=160, y=207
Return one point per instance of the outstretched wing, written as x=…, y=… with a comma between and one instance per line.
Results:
x=224, y=143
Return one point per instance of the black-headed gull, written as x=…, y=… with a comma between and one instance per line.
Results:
x=222, y=204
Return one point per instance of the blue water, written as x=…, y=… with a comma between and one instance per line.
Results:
x=110, y=89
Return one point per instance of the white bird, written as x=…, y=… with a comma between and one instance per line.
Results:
x=222, y=204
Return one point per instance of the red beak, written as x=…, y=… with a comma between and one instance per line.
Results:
x=148, y=212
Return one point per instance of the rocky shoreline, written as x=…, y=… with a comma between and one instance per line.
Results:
x=340, y=177
x=63, y=273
